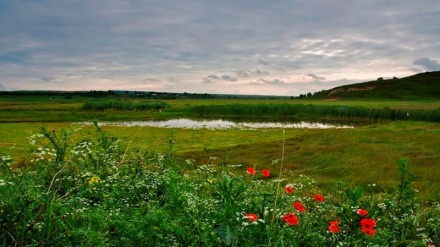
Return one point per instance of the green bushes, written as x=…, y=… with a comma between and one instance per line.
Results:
x=99, y=195
x=299, y=110
x=123, y=105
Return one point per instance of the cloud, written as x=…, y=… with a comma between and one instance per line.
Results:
x=263, y=62
x=152, y=80
x=2, y=88
x=228, y=78
x=249, y=73
x=428, y=64
x=260, y=72
x=272, y=82
x=320, y=78
x=243, y=73
x=206, y=81
x=215, y=77
x=87, y=44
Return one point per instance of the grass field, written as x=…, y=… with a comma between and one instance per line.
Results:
x=363, y=155
x=148, y=186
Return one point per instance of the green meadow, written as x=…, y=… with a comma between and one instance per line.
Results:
x=392, y=152
x=363, y=155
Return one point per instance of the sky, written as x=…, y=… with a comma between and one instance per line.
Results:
x=279, y=47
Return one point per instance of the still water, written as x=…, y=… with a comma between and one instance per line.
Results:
x=187, y=123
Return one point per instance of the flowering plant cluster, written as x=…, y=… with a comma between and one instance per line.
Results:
x=367, y=225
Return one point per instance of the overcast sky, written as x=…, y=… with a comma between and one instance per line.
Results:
x=280, y=47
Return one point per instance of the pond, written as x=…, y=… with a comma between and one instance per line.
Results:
x=186, y=123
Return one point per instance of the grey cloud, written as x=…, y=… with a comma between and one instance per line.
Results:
x=243, y=73
x=2, y=88
x=428, y=64
x=320, y=78
x=207, y=81
x=131, y=40
x=47, y=79
x=215, y=77
x=272, y=82
x=152, y=80
x=260, y=72
x=263, y=62
x=228, y=78
x=248, y=73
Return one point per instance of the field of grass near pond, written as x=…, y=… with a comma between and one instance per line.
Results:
x=104, y=186
x=362, y=155
x=78, y=184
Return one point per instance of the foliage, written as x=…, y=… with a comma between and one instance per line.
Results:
x=317, y=111
x=122, y=105
x=99, y=195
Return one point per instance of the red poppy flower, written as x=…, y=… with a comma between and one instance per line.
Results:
x=369, y=231
x=289, y=189
x=368, y=223
x=362, y=212
x=251, y=217
x=251, y=170
x=290, y=219
x=319, y=198
x=333, y=227
x=299, y=206
x=265, y=173
x=367, y=226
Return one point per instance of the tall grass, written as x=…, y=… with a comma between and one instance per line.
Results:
x=92, y=193
x=122, y=105
x=324, y=111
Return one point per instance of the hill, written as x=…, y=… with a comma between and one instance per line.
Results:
x=415, y=87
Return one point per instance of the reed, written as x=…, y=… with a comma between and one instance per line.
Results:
x=313, y=111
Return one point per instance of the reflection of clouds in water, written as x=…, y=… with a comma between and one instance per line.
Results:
x=186, y=123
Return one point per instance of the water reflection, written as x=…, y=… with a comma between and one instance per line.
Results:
x=187, y=123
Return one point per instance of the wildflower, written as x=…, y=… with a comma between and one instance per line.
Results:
x=362, y=212
x=266, y=173
x=367, y=226
x=251, y=171
x=94, y=179
x=251, y=217
x=290, y=219
x=289, y=189
x=299, y=206
x=319, y=198
x=333, y=227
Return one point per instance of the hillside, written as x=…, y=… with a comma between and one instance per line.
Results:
x=416, y=87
